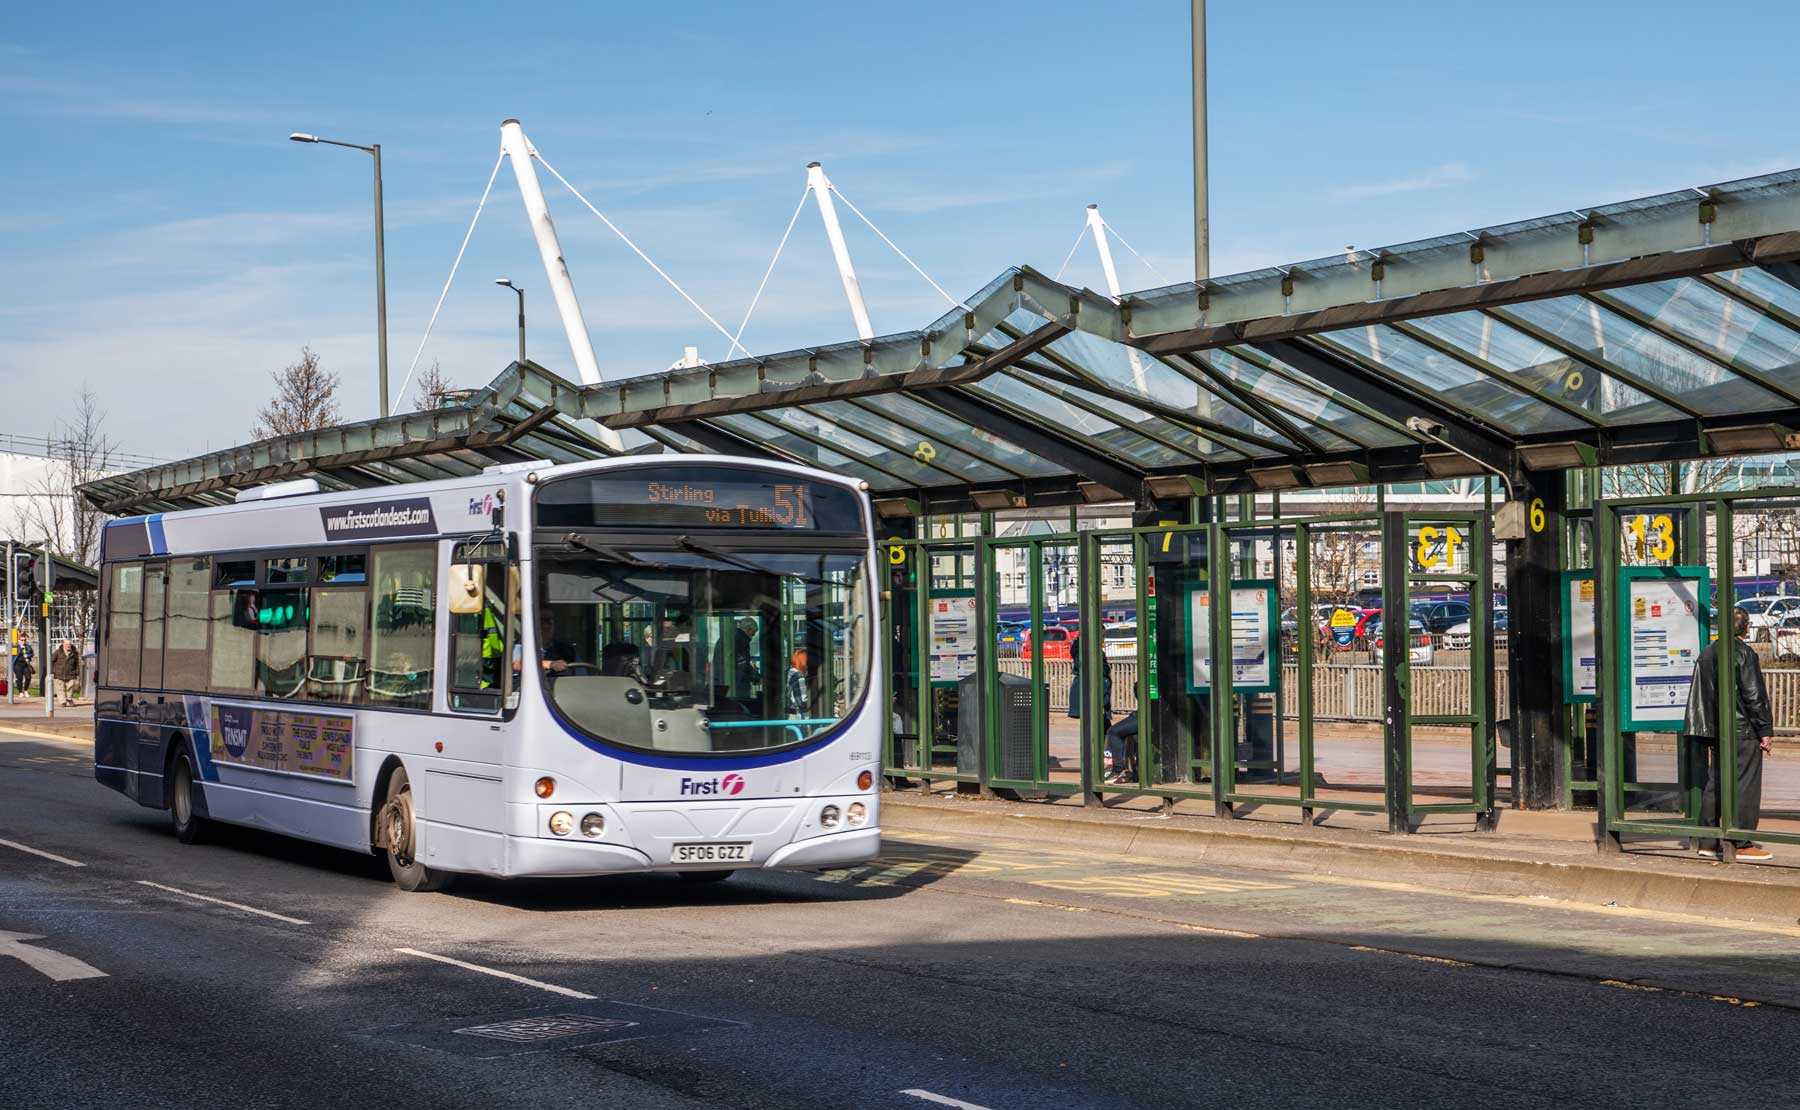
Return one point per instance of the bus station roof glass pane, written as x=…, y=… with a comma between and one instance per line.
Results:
x=813, y=426
x=1702, y=383
x=976, y=441
x=762, y=432
x=1455, y=381
x=1543, y=368
x=943, y=453
x=1717, y=323
x=1315, y=409
x=1188, y=440
x=1037, y=404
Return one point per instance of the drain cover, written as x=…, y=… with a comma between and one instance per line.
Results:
x=546, y=1029
x=525, y=1030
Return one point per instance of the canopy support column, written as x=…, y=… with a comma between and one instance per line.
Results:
x=1539, y=717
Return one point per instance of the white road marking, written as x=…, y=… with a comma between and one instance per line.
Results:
x=47, y=855
x=942, y=1100
x=223, y=902
x=497, y=973
x=54, y=964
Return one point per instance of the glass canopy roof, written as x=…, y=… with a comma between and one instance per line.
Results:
x=1634, y=329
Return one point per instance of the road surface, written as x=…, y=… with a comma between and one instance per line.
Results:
x=260, y=972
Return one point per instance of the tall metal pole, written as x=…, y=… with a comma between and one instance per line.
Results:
x=380, y=282
x=48, y=562
x=12, y=623
x=821, y=190
x=521, y=293
x=1202, y=233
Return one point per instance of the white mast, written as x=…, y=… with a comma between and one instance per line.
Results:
x=519, y=149
x=1098, y=227
x=821, y=191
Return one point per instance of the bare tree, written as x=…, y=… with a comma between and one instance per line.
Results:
x=433, y=385
x=79, y=453
x=305, y=399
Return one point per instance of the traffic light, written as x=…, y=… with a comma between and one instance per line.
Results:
x=24, y=576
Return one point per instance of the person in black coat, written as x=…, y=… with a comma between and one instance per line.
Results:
x=1754, y=728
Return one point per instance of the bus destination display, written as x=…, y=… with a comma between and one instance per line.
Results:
x=700, y=499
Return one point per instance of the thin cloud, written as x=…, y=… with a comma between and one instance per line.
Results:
x=1438, y=177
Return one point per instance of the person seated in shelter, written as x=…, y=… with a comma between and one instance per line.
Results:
x=1121, y=744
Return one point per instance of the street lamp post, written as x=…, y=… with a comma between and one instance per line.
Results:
x=380, y=257
x=521, y=292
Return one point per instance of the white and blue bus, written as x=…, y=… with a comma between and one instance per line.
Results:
x=626, y=665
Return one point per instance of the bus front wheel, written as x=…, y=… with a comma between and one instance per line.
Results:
x=398, y=838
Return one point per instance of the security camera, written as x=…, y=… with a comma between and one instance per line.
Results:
x=1424, y=427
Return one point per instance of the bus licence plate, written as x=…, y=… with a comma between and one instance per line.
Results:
x=711, y=853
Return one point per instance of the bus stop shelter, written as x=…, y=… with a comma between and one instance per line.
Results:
x=1644, y=332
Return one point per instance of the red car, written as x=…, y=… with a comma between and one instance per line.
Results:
x=1058, y=640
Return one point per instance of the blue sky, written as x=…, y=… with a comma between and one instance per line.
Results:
x=161, y=240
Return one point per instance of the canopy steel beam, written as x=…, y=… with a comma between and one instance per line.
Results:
x=1037, y=439
x=1243, y=399
x=723, y=442
x=1769, y=251
x=1344, y=376
x=932, y=378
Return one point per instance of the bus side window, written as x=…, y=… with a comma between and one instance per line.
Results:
x=402, y=633
x=124, y=635
x=184, y=658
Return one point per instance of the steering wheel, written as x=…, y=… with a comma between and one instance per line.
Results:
x=575, y=668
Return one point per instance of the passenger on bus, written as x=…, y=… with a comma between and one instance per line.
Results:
x=799, y=684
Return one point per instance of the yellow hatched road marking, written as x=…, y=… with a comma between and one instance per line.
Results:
x=1664, y=916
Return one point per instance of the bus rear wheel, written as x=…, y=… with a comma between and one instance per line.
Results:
x=397, y=836
x=189, y=828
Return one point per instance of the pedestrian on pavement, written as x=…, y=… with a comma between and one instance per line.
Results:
x=1106, y=687
x=21, y=664
x=1753, y=730
x=65, y=668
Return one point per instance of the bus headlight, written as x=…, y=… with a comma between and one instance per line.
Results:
x=857, y=813
x=562, y=822
x=593, y=824
x=828, y=817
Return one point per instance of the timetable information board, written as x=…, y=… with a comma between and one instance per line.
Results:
x=955, y=648
x=1253, y=628
x=1663, y=622
x=1581, y=670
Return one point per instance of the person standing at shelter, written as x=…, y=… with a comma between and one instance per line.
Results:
x=1753, y=728
x=65, y=668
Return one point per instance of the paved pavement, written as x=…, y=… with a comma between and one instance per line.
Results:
x=260, y=972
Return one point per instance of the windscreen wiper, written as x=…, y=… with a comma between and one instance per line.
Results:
x=576, y=539
x=688, y=543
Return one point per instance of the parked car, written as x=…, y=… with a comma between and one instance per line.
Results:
x=1769, y=613
x=1056, y=642
x=1120, y=640
x=1421, y=652
x=1438, y=616
x=1457, y=638
x=1009, y=632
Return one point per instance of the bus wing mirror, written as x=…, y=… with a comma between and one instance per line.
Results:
x=467, y=582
